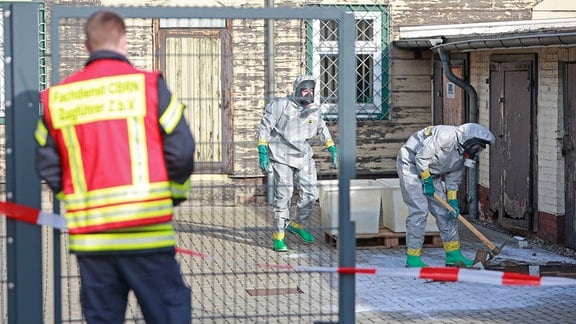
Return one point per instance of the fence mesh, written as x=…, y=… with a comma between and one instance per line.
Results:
x=225, y=71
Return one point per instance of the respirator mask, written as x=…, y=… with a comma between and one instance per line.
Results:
x=471, y=149
x=305, y=92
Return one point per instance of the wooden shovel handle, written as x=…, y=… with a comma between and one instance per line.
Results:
x=466, y=223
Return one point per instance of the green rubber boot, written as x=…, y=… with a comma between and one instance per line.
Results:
x=279, y=244
x=454, y=257
x=299, y=230
x=413, y=259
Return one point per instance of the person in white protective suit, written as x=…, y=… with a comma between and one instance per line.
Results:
x=432, y=161
x=284, y=148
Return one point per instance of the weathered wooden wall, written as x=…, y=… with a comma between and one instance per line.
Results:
x=440, y=12
x=377, y=141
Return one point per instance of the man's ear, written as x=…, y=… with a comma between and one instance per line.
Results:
x=87, y=46
x=122, y=46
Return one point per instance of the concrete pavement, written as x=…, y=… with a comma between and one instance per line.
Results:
x=241, y=280
x=235, y=277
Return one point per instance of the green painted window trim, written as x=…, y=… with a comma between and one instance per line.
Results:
x=385, y=45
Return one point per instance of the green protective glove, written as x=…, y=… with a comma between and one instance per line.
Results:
x=334, y=154
x=427, y=183
x=264, y=158
x=454, y=204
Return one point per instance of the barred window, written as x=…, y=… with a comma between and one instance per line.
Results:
x=371, y=52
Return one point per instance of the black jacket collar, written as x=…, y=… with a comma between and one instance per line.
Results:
x=108, y=55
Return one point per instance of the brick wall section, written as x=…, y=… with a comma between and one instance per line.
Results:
x=484, y=212
x=550, y=178
x=550, y=161
x=551, y=227
x=479, y=72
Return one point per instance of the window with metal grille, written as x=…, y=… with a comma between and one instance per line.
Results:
x=371, y=49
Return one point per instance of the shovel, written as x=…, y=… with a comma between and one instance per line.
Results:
x=480, y=255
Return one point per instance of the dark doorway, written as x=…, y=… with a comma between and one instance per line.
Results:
x=512, y=159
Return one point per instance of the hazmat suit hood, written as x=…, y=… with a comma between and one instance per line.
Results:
x=303, y=82
x=472, y=138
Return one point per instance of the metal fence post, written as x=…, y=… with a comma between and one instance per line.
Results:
x=24, y=245
x=347, y=170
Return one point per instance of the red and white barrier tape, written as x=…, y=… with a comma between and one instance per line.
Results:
x=31, y=215
x=342, y=270
x=193, y=253
x=452, y=274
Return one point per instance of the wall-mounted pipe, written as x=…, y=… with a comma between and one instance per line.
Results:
x=270, y=87
x=473, y=99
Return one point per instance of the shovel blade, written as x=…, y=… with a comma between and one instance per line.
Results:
x=481, y=257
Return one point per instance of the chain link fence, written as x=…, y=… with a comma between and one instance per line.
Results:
x=225, y=65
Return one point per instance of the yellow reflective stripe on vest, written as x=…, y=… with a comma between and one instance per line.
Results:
x=138, y=150
x=117, y=195
x=121, y=241
x=139, y=210
x=172, y=115
x=41, y=133
x=75, y=159
x=106, y=98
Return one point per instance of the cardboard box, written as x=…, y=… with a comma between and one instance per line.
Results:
x=365, y=200
x=395, y=211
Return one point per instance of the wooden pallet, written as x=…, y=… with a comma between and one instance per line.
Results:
x=385, y=238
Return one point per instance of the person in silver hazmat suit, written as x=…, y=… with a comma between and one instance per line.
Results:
x=432, y=161
x=284, y=148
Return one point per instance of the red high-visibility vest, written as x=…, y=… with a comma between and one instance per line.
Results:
x=115, y=185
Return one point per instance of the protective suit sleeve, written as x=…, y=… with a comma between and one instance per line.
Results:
x=453, y=179
x=324, y=132
x=272, y=113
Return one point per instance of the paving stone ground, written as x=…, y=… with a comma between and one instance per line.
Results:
x=226, y=257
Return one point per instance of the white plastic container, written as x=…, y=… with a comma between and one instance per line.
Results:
x=365, y=200
x=395, y=211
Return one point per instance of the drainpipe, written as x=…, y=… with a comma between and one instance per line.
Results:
x=473, y=172
x=270, y=87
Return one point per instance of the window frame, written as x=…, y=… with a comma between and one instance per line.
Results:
x=377, y=48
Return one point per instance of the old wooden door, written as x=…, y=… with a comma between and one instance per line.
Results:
x=569, y=152
x=194, y=65
x=512, y=161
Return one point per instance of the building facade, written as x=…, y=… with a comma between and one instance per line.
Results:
x=506, y=64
